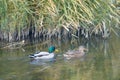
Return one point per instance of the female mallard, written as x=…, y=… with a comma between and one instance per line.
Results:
x=44, y=55
x=75, y=53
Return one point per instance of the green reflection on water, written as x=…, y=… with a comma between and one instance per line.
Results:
x=102, y=62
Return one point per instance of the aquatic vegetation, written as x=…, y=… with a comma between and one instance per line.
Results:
x=23, y=19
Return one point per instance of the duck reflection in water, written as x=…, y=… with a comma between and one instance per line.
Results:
x=42, y=62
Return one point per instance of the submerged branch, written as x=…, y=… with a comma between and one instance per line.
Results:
x=14, y=45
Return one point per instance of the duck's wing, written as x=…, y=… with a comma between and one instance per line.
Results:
x=40, y=54
x=70, y=52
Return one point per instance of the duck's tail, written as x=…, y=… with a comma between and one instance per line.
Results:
x=33, y=55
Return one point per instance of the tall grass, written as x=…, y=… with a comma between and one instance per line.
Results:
x=99, y=14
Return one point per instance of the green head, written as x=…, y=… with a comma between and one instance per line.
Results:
x=51, y=49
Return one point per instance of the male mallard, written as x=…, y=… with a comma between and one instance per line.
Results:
x=44, y=55
x=75, y=53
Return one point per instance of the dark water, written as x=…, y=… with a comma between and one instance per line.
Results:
x=101, y=62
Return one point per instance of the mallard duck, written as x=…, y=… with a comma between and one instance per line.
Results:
x=75, y=53
x=43, y=54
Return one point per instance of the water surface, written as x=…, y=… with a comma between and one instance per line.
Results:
x=101, y=62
